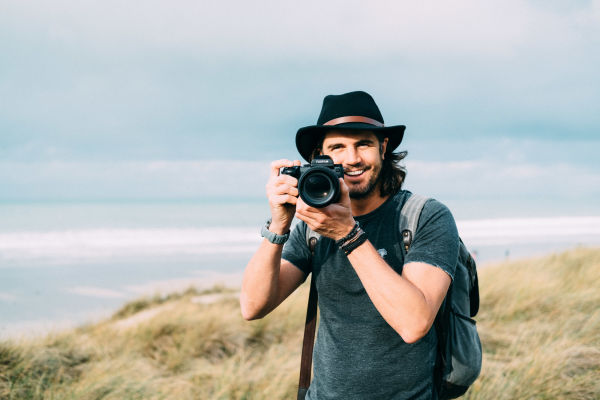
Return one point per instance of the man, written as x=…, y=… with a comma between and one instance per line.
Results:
x=377, y=306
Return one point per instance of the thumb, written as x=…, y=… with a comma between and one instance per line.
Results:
x=344, y=192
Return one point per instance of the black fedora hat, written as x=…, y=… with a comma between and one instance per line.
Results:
x=348, y=111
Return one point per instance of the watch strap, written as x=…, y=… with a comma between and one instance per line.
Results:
x=271, y=236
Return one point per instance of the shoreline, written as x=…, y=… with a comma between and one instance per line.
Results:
x=107, y=302
x=35, y=328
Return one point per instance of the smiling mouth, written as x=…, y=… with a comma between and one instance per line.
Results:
x=355, y=173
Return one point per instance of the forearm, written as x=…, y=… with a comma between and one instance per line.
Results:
x=403, y=306
x=261, y=281
x=264, y=285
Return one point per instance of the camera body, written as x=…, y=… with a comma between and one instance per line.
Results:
x=318, y=182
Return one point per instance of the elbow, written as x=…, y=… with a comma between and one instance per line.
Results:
x=249, y=313
x=249, y=317
x=411, y=337
x=415, y=332
x=246, y=313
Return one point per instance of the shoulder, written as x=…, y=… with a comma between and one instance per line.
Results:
x=436, y=238
x=433, y=211
x=433, y=206
x=436, y=213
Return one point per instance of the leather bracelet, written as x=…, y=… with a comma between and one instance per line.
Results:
x=359, y=239
x=349, y=236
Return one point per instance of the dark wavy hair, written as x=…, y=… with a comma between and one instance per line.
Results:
x=392, y=174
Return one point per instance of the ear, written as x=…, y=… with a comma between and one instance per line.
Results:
x=383, y=147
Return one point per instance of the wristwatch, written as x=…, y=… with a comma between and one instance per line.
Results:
x=273, y=237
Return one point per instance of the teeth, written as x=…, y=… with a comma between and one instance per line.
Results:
x=354, y=173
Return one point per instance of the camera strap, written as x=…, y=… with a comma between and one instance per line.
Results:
x=310, y=325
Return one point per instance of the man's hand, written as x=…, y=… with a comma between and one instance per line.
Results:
x=282, y=192
x=334, y=221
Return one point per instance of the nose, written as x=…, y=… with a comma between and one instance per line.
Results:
x=352, y=156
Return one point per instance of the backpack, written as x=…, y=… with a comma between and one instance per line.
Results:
x=459, y=354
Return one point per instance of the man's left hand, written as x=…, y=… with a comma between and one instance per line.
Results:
x=334, y=221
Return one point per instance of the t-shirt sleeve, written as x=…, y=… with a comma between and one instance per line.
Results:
x=436, y=240
x=296, y=250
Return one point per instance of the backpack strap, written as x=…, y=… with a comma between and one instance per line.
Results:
x=409, y=218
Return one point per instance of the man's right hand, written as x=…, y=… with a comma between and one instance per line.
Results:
x=282, y=192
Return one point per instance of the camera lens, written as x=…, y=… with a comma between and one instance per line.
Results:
x=319, y=187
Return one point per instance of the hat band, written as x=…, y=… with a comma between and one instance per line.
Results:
x=354, y=118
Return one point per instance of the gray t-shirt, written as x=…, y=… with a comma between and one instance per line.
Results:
x=357, y=354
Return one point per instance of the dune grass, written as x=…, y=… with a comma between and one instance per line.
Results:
x=540, y=328
x=539, y=323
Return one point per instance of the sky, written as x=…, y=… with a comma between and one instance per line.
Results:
x=154, y=100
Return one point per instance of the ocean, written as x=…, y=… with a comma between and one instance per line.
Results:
x=64, y=264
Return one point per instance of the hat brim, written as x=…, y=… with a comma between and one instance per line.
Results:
x=308, y=138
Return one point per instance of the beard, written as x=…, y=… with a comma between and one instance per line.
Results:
x=365, y=190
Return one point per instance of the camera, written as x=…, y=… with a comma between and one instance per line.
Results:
x=318, y=182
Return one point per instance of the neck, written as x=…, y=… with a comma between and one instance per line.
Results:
x=367, y=204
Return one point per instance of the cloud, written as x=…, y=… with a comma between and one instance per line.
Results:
x=497, y=188
x=500, y=179
x=312, y=27
x=94, y=93
x=133, y=180
x=112, y=79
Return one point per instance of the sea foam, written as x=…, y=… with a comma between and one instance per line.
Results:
x=108, y=243
x=92, y=244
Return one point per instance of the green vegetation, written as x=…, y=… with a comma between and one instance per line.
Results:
x=539, y=323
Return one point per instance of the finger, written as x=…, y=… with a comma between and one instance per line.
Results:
x=286, y=180
x=302, y=210
x=278, y=164
x=293, y=191
x=275, y=194
x=311, y=220
x=289, y=199
x=282, y=187
x=343, y=188
x=344, y=192
x=286, y=189
x=301, y=205
x=281, y=184
x=282, y=199
x=308, y=211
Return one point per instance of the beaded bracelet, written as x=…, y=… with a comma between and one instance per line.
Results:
x=354, y=242
x=349, y=236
